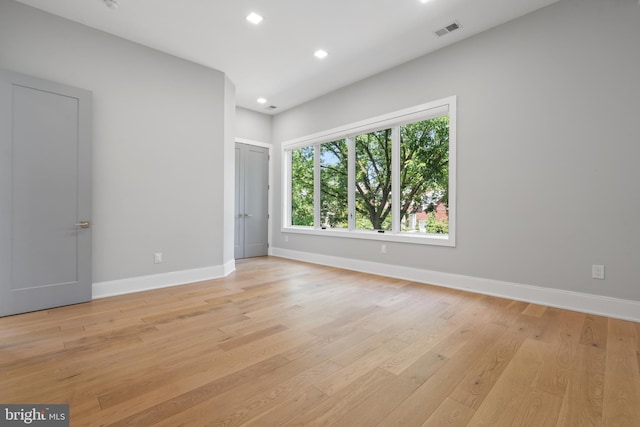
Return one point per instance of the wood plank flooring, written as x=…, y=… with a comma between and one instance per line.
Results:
x=281, y=343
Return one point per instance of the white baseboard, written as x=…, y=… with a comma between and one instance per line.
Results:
x=575, y=301
x=157, y=281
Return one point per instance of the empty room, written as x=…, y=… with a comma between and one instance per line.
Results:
x=339, y=213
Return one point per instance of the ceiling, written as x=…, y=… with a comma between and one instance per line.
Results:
x=274, y=59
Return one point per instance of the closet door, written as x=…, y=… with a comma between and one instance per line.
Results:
x=252, y=201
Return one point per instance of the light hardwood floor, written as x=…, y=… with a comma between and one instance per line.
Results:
x=281, y=343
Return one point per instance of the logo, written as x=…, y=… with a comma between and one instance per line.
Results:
x=34, y=415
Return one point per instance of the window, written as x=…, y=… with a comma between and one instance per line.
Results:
x=302, y=187
x=373, y=180
x=334, y=175
x=389, y=178
x=424, y=176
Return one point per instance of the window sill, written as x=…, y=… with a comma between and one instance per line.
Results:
x=422, y=239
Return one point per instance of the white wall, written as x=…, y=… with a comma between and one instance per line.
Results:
x=548, y=146
x=158, y=133
x=253, y=126
x=229, y=169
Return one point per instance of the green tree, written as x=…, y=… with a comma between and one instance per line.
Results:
x=424, y=165
x=437, y=227
x=333, y=184
x=373, y=179
x=302, y=186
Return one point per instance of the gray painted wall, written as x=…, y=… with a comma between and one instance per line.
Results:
x=253, y=126
x=228, y=170
x=159, y=129
x=548, y=146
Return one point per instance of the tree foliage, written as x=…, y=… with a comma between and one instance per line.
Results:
x=424, y=160
x=334, y=178
x=302, y=186
x=373, y=178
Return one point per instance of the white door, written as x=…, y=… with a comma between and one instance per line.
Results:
x=252, y=201
x=45, y=194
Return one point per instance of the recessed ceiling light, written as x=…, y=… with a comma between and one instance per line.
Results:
x=261, y=101
x=254, y=18
x=321, y=54
x=111, y=4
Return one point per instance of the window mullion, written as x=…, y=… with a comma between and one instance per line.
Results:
x=316, y=186
x=351, y=164
x=395, y=180
x=288, y=185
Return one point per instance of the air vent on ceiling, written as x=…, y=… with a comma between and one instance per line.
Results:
x=448, y=29
x=111, y=4
x=272, y=107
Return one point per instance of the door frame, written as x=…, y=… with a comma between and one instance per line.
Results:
x=268, y=146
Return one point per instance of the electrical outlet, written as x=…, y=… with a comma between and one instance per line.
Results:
x=597, y=271
x=286, y=238
x=157, y=257
x=383, y=249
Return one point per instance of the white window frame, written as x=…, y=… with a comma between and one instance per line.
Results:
x=446, y=106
